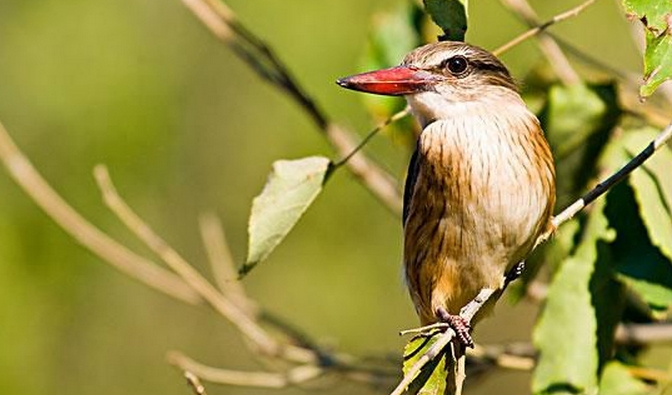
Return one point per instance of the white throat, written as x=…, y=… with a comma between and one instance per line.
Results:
x=431, y=106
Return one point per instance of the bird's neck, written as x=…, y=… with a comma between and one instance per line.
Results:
x=428, y=107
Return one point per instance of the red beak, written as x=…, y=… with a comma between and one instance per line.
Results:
x=395, y=81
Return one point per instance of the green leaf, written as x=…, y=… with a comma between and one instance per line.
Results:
x=451, y=16
x=657, y=296
x=292, y=186
x=609, y=299
x=652, y=185
x=639, y=212
x=432, y=377
x=616, y=380
x=656, y=17
x=634, y=255
x=566, y=333
x=578, y=121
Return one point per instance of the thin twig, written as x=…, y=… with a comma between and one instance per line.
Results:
x=644, y=333
x=557, y=59
x=222, y=263
x=380, y=183
x=223, y=24
x=109, y=250
x=394, y=118
x=523, y=356
x=146, y=271
x=650, y=374
x=515, y=356
x=425, y=329
x=629, y=97
x=614, y=179
x=296, y=375
x=244, y=323
x=195, y=383
x=219, y=254
x=534, y=31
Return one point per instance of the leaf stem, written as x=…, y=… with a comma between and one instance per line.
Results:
x=394, y=118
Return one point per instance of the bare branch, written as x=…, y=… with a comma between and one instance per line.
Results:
x=644, y=333
x=557, y=59
x=195, y=383
x=381, y=184
x=297, y=375
x=223, y=24
x=534, y=31
x=222, y=263
x=395, y=117
x=516, y=356
x=245, y=324
x=109, y=250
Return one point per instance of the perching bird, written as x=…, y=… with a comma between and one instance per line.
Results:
x=481, y=183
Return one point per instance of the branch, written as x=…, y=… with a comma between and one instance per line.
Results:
x=523, y=356
x=221, y=21
x=311, y=359
x=534, y=31
x=557, y=59
x=644, y=333
x=245, y=324
x=222, y=263
x=195, y=383
x=109, y=250
x=551, y=44
x=569, y=213
x=189, y=287
x=293, y=376
x=515, y=356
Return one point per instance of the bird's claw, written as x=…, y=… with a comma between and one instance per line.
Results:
x=460, y=325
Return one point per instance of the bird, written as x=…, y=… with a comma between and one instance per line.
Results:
x=480, y=186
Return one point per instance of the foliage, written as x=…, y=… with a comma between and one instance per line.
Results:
x=657, y=19
x=451, y=16
x=431, y=379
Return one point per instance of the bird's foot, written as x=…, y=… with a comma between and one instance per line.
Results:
x=459, y=324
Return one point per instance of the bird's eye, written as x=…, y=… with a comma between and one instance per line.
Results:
x=457, y=64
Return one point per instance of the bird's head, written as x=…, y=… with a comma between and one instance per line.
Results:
x=438, y=76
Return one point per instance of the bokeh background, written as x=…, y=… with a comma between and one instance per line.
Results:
x=185, y=127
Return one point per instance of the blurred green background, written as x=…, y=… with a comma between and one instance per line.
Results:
x=185, y=127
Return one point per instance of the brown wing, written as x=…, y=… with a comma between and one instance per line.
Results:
x=411, y=178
